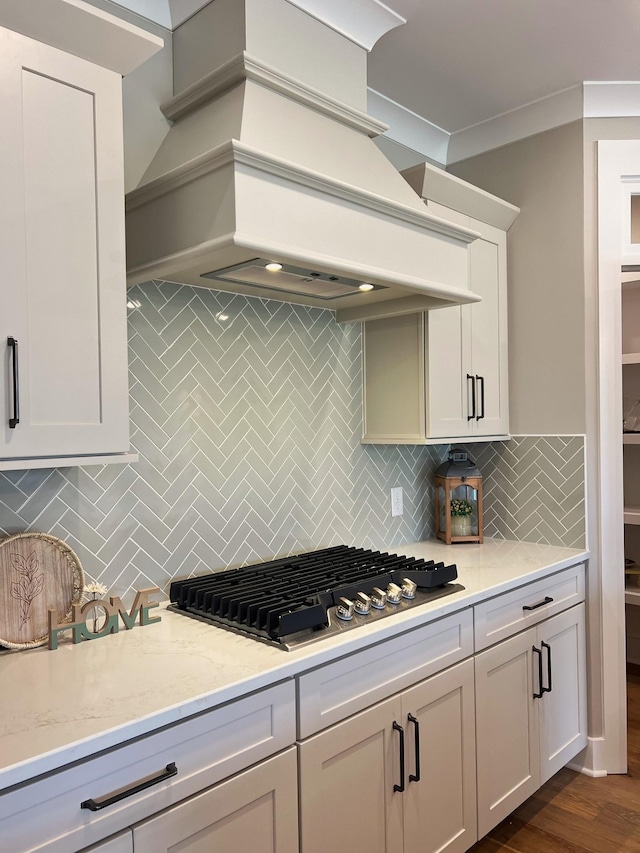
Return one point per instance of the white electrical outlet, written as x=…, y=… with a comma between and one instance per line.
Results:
x=396, y=501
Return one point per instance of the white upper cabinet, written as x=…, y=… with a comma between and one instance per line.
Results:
x=63, y=384
x=443, y=374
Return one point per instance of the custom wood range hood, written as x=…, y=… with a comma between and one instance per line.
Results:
x=270, y=160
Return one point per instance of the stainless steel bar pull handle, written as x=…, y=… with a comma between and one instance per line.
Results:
x=12, y=343
x=122, y=793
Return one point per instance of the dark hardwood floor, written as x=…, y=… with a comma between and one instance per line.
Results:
x=574, y=813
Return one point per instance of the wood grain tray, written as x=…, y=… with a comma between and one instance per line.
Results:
x=37, y=571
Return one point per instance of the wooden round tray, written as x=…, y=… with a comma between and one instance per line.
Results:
x=37, y=571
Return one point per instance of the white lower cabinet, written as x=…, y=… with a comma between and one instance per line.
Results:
x=530, y=712
x=397, y=777
x=253, y=812
x=409, y=745
x=121, y=843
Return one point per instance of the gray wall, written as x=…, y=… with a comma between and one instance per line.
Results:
x=247, y=417
x=543, y=175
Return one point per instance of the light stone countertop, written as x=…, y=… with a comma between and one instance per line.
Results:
x=60, y=706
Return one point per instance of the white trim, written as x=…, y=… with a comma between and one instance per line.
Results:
x=616, y=160
x=408, y=128
x=543, y=114
x=361, y=21
x=590, y=99
x=591, y=761
x=548, y=435
x=28, y=464
x=606, y=99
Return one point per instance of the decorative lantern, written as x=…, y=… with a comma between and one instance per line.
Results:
x=458, y=499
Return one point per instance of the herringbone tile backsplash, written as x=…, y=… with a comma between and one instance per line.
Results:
x=247, y=417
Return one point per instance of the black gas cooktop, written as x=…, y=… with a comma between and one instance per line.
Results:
x=306, y=597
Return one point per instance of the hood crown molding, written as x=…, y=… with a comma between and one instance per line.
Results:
x=361, y=21
x=264, y=164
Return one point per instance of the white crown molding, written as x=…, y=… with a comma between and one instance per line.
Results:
x=611, y=99
x=544, y=114
x=409, y=129
x=361, y=21
x=591, y=99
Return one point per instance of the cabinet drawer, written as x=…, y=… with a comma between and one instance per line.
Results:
x=337, y=690
x=46, y=814
x=504, y=615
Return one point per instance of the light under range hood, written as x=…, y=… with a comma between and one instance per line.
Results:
x=270, y=160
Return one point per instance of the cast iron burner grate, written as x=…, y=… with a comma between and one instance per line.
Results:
x=293, y=600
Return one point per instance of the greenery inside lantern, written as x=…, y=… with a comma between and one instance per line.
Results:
x=458, y=499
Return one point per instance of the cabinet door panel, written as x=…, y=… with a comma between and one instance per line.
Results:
x=449, y=361
x=489, y=329
x=253, y=812
x=70, y=321
x=563, y=724
x=440, y=808
x=121, y=843
x=347, y=774
x=506, y=729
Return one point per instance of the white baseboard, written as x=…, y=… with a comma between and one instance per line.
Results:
x=591, y=761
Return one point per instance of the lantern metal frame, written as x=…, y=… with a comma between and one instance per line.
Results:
x=449, y=484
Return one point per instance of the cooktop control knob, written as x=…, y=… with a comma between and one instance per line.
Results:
x=362, y=603
x=394, y=593
x=378, y=598
x=345, y=609
x=409, y=588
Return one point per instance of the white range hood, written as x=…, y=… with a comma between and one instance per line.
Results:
x=271, y=159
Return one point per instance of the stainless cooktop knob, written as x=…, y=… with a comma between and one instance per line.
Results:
x=394, y=593
x=344, y=609
x=378, y=598
x=409, y=588
x=362, y=603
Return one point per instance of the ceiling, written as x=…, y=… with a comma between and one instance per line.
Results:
x=461, y=62
x=463, y=76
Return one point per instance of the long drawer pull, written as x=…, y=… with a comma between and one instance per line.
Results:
x=547, y=600
x=15, y=420
x=473, y=396
x=538, y=652
x=415, y=777
x=548, y=688
x=123, y=793
x=480, y=381
x=398, y=728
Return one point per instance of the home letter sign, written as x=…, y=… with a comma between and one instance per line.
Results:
x=113, y=608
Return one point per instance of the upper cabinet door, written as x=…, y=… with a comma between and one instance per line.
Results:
x=62, y=249
x=489, y=351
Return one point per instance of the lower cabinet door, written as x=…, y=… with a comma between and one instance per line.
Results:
x=440, y=801
x=563, y=707
x=347, y=779
x=253, y=812
x=120, y=843
x=507, y=733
